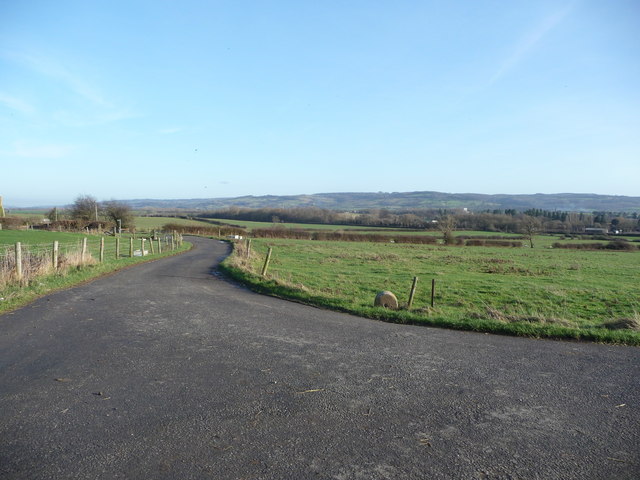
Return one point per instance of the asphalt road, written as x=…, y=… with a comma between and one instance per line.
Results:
x=167, y=371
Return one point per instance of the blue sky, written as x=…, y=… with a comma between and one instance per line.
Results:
x=184, y=99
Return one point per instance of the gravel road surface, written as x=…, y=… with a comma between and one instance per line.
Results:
x=167, y=371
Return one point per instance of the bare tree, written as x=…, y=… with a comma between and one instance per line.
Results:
x=530, y=226
x=85, y=207
x=56, y=214
x=447, y=224
x=115, y=211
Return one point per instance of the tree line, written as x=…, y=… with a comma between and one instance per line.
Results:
x=503, y=221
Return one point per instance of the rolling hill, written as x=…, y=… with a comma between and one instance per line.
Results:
x=576, y=202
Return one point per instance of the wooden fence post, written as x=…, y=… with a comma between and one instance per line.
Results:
x=117, y=247
x=131, y=247
x=54, y=255
x=142, y=246
x=153, y=251
x=248, y=247
x=101, y=249
x=266, y=262
x=19, y=261
x=433, y=290
x=84, y=250
x=413, y=292
x=159, y=245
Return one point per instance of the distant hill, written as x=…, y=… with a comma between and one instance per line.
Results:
x=574, y=202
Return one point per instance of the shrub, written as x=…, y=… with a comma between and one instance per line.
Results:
x=68, y=225
x=620, y=244
x=200, y=230
x=340, y=236
x=489, y=237
x=615, y=245
x=493, y=243
x=13, y=222
x=475, y=243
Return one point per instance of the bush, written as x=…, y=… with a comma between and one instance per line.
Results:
x=475, y=243
x=67, y=225
x=13, y=222
x=489, y=237
x=615, y=245
x=620, y=244
x=198, y=230
x=340, y=236
x=493, y=243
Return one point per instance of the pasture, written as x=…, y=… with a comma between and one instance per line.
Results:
x=249, y=225
x=540, y=292
x=147, y=224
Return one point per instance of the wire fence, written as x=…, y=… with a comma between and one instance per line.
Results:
x=21, y=263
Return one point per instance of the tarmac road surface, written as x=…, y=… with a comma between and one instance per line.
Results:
x=166, y=371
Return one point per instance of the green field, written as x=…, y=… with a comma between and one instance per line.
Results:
x=543, y=241
x=43, y=239
x=150, y=223
x=32, y=237
x=538, y=292
x=305, y=226
x=33, y=215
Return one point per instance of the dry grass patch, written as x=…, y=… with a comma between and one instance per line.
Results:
x=631, y=323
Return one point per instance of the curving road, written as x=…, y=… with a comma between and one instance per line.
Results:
x=167, y=371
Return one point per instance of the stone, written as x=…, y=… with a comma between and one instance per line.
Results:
x=386, y=299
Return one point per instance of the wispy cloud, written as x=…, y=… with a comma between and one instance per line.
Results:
x=53, y=69
x=15, y=103
x=23, y=149
x=528, y=42
x=93, y=109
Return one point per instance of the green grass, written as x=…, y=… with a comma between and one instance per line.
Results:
x=150, y=223
x=14, y=296
x=32, y=237
x=43, y=239
x=304, y=226
x=538, y=292
x=32, y=215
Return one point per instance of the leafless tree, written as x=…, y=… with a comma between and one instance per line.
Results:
x=85, y=207
x=115, y=211
x=530, y=226
x=447, y=224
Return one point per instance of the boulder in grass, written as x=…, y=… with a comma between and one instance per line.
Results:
x=386, y=299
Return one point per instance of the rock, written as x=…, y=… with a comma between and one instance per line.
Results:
x=386, y=299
